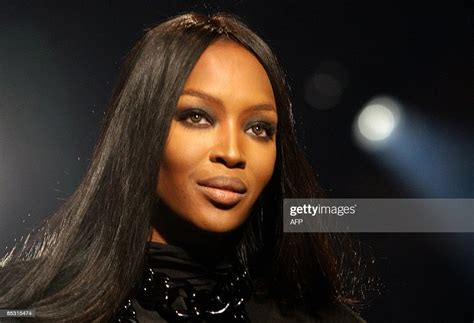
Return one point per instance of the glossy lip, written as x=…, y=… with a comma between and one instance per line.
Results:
x=222, y=190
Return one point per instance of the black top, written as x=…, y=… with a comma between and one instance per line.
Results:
x=176, y=287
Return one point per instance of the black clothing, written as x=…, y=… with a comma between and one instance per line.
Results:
x=176, y=287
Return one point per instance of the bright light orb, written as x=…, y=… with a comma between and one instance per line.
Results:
x=376, y=122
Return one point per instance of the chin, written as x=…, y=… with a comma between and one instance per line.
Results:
x=220, y=223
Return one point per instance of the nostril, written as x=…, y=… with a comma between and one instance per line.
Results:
x=231, y=163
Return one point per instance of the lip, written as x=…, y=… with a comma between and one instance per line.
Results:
x=222, y=190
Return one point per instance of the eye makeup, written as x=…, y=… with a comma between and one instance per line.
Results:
x=200, y=118
x=266, y=126
x=194, y=116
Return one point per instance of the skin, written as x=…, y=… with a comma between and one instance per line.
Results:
x=235, y=139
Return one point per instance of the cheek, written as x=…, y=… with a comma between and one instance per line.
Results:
x=264, y=165
x=182, y=153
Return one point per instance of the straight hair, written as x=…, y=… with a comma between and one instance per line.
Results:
x=85, y=260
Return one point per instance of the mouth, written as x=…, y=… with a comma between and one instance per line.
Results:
x=222, y=191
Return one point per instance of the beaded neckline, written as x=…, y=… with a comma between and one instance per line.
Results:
x=181, y=289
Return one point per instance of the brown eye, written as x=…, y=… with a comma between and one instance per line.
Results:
x=195, y=117
x=257, y=129
x=261, y=129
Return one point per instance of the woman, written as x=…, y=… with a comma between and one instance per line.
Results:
x=179, y=215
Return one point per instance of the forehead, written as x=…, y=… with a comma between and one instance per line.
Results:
x=229, y=71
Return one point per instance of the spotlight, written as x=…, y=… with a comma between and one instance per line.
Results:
x=377, y=121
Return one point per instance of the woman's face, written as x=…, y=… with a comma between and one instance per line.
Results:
x=221, y=148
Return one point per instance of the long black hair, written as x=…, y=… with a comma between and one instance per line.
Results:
x=83, y=261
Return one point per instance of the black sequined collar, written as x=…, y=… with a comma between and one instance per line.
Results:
x=181, y=289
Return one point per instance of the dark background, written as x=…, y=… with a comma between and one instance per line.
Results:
x=58, y=63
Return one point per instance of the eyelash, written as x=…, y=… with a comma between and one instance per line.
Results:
x=188, y=113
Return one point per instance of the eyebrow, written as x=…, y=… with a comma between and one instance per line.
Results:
x=210, y=98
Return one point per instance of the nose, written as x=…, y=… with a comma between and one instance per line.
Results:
x=227, y=150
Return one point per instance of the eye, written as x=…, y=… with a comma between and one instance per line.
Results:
x=258, y=130
x=262, y=129
x=195, y=117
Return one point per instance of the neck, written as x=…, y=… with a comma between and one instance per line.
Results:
x=169, y=228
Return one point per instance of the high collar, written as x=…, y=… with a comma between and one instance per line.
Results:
x=180, y=265
x=181, y=288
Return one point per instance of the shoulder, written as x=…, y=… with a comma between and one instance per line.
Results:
x=268, y=311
